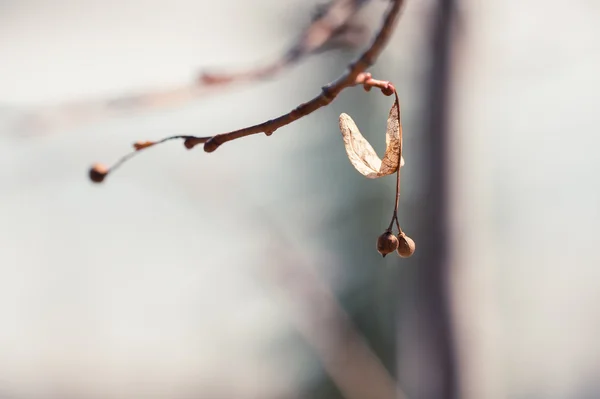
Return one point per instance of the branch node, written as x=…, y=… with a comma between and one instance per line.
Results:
x=140, y=145
x=327, y=94
x=191, y=142
x=211, y=144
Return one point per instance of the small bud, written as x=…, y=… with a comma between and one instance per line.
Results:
x=190, y=143
x=98, y=172
x=406, y=246
x=140, y=145
x=386, y=243
x=211, y=145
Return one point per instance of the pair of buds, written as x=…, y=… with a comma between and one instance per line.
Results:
x=402, y=244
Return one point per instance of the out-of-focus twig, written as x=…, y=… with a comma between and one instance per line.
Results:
x=332, y=27
x=345, y=355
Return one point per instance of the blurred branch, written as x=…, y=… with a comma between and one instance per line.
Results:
x=347, y=358
x=354, y=75
x=332, y=26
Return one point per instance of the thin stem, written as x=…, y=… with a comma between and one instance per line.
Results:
x=389, y=229
x=139, y=147
x=395, y=214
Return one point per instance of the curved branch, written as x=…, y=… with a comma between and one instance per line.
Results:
x=327, y=95
x=354, y=75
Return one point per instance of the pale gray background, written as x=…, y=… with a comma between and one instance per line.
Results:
x=151, y=285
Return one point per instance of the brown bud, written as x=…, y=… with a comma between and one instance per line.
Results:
x=386, y=243
x=98, y=172
x=211, y=145
x=406, y=246
x=190, y=143
x=140, y=145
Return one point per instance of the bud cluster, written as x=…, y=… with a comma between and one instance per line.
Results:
x=402, y=244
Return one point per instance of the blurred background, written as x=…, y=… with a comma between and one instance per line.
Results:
x=252, y=272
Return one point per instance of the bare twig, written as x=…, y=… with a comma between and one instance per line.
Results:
x=354, y=75
x=328, y=92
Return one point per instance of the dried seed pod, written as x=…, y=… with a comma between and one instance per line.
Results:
x=406, y=246
x=387, y=243
x=98, y=172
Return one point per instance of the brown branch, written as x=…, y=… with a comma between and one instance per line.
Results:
x=328, y=92
x=354, y=75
